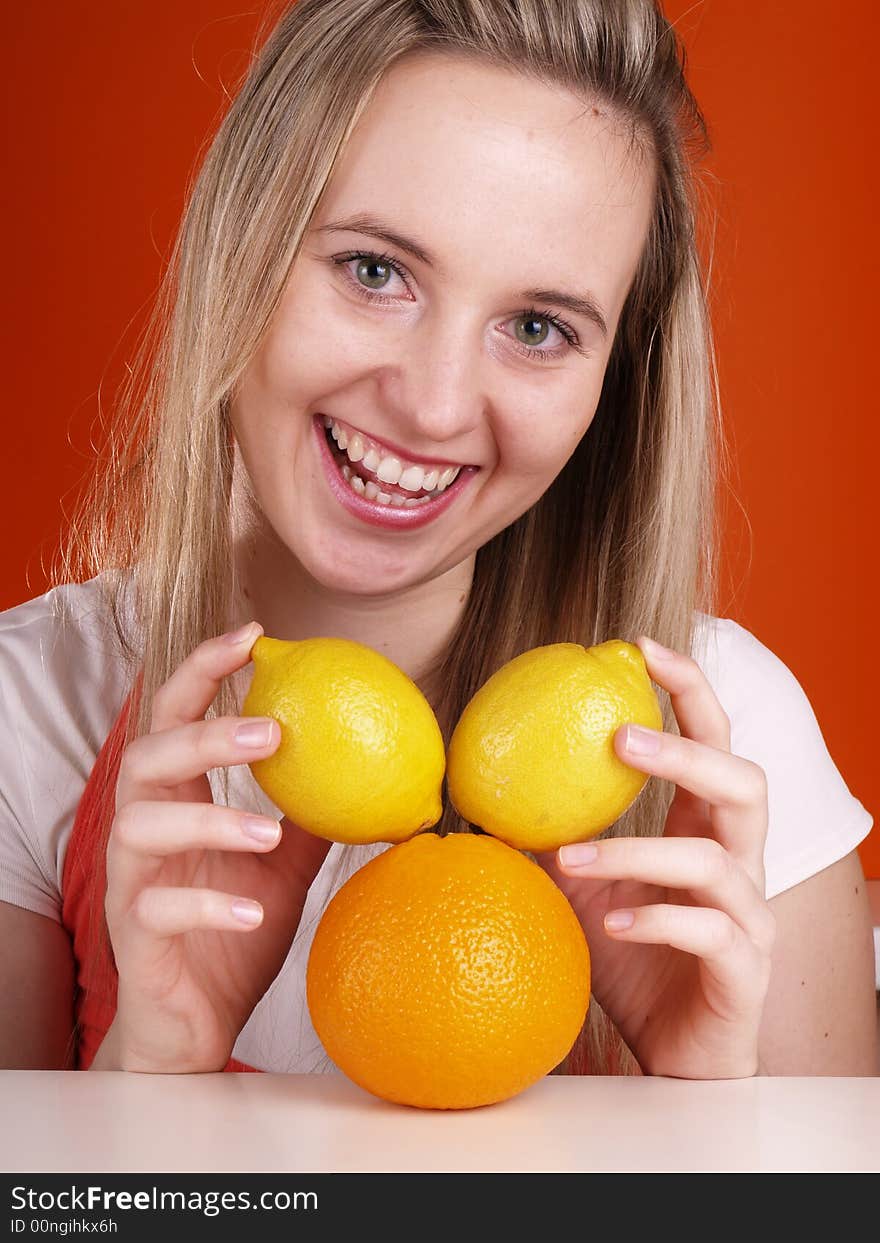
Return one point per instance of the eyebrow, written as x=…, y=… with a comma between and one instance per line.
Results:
x=579, y=304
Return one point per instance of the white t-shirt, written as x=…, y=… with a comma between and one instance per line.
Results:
x=61, y=688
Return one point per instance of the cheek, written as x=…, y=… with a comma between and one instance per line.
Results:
x=312, y=349
x=304, y=359
x=295, y=364
x=537, y=446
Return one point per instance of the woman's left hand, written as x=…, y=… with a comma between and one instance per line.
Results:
x=679, y=931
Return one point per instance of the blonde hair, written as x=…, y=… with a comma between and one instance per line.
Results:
x=622, y=543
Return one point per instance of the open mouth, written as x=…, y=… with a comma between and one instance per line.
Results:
x=372, y=473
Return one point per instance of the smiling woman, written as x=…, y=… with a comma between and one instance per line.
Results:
x=434, y=372
x=445, y=355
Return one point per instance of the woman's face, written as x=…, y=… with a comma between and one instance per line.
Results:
x=452, y=310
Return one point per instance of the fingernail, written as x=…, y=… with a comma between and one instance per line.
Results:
x=657, y=650
x=247, y=912
x=616, y=921
x=256, y=733
x=239, y=636
x=577, y=855
x=641, y=741
x=260, y=830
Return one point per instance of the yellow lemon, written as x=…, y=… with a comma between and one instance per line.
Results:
x=361, y=757
x=532, y=761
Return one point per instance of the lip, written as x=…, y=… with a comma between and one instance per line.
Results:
x=374, y=513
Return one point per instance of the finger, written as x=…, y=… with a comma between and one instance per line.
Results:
x=194, y=684
x=735, y=970
x=735, y=789
x=697, y=709
x=162, y=911
x=699, y=866
x=143, y=940
x=698, y=713
x=145, y=833
x=157, y=764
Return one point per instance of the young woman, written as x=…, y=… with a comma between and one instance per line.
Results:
x=432, y=371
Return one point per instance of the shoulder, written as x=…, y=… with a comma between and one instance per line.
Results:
x=814, y=818
x=60, y=651
x=63, y=679
x=742, y=670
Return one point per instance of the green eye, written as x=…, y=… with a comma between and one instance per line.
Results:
x=531, y=330
x=373, y=274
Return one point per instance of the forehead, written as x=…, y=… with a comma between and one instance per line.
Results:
x=482, y=163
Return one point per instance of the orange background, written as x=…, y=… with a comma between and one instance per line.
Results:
x=108, y=106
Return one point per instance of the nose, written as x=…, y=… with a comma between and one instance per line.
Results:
x=434, y=386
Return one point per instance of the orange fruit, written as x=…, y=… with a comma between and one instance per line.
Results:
x=448, y=972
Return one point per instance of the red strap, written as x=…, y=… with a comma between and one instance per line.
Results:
x=83, y=884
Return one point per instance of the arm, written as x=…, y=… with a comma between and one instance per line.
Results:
x=36, y=984
x=820, y=1015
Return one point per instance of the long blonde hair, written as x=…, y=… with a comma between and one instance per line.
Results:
x=623, y=542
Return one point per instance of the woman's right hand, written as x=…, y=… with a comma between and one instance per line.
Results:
x=201, y=912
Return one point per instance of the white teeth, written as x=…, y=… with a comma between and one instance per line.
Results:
x=429, y=483
x=369, y=490
x=411, y=479
x=389, y=470
x=387, y=466
x=339, y=434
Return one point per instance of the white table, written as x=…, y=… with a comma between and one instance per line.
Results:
x=114, y=1122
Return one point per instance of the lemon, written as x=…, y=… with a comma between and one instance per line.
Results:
x=531, y=760
x=361, y=757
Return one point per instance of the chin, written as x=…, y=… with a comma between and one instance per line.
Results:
x=340, y=566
